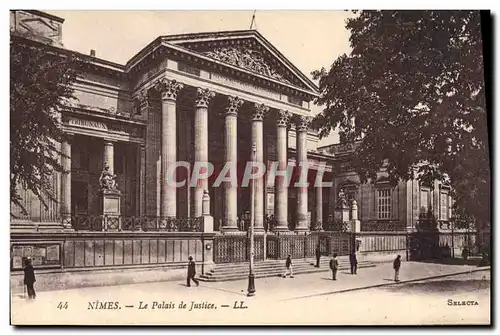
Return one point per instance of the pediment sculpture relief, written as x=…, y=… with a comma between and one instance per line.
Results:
x=246, y=58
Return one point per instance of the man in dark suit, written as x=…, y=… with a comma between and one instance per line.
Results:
x=191, y=273
x=354, y=262
x=318, y=255
x=334, y=266
x=29, y=278
x=397, y=265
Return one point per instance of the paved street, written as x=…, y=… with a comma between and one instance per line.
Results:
x=305, y=299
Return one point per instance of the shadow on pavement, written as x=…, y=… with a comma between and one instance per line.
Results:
x=458, y=286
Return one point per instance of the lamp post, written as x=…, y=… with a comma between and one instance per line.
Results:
x=251, y=276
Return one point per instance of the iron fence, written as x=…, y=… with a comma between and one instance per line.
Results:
x=382, y=225
x=133, y=223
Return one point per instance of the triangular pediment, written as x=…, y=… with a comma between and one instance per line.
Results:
x=247, y=50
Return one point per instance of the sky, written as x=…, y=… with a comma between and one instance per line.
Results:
x=309, y=39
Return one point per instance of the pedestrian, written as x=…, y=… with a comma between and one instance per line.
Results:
x=334, y=266
x=288, y=267
x=192, y=273
x=397, y=265
x=318, y=255
x=354, y=262
x=29, y=278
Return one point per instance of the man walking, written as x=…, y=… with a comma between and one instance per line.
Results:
x=191, y=273
x=318, y=255
x=397, y=265
x=288, y=267
x=29, y=278
x=334, y=265
x=354, y=262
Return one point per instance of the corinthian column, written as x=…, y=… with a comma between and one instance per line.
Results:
x=257, y=138
x=302, y=125
x=168, y=192
x=281, y=197
x=231, y=157
x=201, y=142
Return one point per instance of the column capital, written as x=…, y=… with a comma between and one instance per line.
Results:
x=109, y=142
x=259, y=112
x=303, y=123
x=283, y=118
x=168, y=88
x=203, y=97
x=234, y=104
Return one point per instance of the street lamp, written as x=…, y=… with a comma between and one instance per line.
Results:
x=251, y=276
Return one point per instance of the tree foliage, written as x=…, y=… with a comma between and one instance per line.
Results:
x=414, y=87
x=41, y=87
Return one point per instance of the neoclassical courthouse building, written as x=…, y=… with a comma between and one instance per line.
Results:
x=204, y=97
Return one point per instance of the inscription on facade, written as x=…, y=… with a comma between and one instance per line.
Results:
x=87, y=124
x=244, y=86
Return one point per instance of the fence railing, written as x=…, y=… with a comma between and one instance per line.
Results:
x=132, y=223
x=382, y=225
x=236, y=248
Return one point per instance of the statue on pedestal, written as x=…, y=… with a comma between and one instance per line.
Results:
x=341, y=199
x=107, y=180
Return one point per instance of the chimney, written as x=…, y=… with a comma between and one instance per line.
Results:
x=92, y=52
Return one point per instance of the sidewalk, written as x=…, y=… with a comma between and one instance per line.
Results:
x=216, y=300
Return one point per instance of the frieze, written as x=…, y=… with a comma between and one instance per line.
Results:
x=246, y=58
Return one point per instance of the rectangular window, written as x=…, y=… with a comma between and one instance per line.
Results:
x=424, y=202
x=188, y=69
x=443, y=198
x=384, y=204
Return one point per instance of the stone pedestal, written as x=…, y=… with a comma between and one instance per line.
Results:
x=355, y=226
x=341, y=214
x=110, y=201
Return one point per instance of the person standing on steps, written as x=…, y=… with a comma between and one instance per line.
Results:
x=318, y=255
x=354, y=262
x=397, y=265
x=334, y=266
x=191, y=273
x=288, y=267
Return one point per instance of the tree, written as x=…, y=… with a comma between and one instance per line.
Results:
x=41, y=87
x=413, y=89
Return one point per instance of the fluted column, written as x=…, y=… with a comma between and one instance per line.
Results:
x=66, y=183
x=201, y=143
x=319, y=208
x=302, y=125
x=281, y=197
x=231, y=157
x=109, y=156
x=258, y=139
x=141, y=172
x=168, y=192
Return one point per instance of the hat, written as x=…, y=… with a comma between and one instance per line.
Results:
x=190, y=258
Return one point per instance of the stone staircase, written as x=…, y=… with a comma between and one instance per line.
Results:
x=270, y=268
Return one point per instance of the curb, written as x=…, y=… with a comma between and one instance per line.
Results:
x=488, y=268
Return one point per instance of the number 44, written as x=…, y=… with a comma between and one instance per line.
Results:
x=63, y=305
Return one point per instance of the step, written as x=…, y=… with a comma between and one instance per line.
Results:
x=222, y=270
x=273, y=264
x=268, y=263
x=214, y=277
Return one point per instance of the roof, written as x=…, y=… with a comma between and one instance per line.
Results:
x=193, y=41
